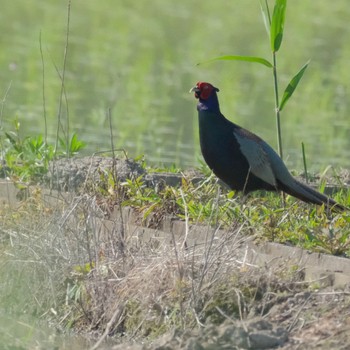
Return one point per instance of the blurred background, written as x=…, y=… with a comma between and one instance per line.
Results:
x=138, y=59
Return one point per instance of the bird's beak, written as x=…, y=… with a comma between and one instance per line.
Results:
x=195, y=89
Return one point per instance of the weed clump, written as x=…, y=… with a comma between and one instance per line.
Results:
x=101, y=274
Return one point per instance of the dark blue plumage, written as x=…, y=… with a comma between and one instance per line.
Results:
x=243, y=160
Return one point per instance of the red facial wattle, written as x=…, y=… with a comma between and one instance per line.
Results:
x=203, y=90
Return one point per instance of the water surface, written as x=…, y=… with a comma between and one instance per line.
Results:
x=138, y=59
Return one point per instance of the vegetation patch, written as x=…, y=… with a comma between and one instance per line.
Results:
x=101, y=281
x=108, y=281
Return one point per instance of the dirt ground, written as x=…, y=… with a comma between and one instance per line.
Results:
x=306, y=320
x=319, y=321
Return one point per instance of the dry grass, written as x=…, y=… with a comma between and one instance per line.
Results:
x=67, y=260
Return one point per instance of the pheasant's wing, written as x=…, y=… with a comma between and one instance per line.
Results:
x=252, y=148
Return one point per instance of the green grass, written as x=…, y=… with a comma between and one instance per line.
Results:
x=297, y=223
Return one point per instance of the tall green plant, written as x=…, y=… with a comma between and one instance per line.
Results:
x=275, y=27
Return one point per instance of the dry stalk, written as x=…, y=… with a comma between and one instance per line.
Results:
x=118, y=313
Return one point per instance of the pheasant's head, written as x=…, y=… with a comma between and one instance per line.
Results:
x=203, y=90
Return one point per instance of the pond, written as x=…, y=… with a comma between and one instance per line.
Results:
x=137, y=61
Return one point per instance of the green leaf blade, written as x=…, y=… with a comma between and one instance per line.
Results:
x=277, y=24
x=288, y=92
x=266, y=18
x=255, y=59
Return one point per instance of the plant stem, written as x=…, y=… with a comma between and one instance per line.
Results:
x=304, y=161
x=62, y=93
x=278, y=121
x=43, y=86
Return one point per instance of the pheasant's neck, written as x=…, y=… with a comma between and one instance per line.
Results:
x=210, y=105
